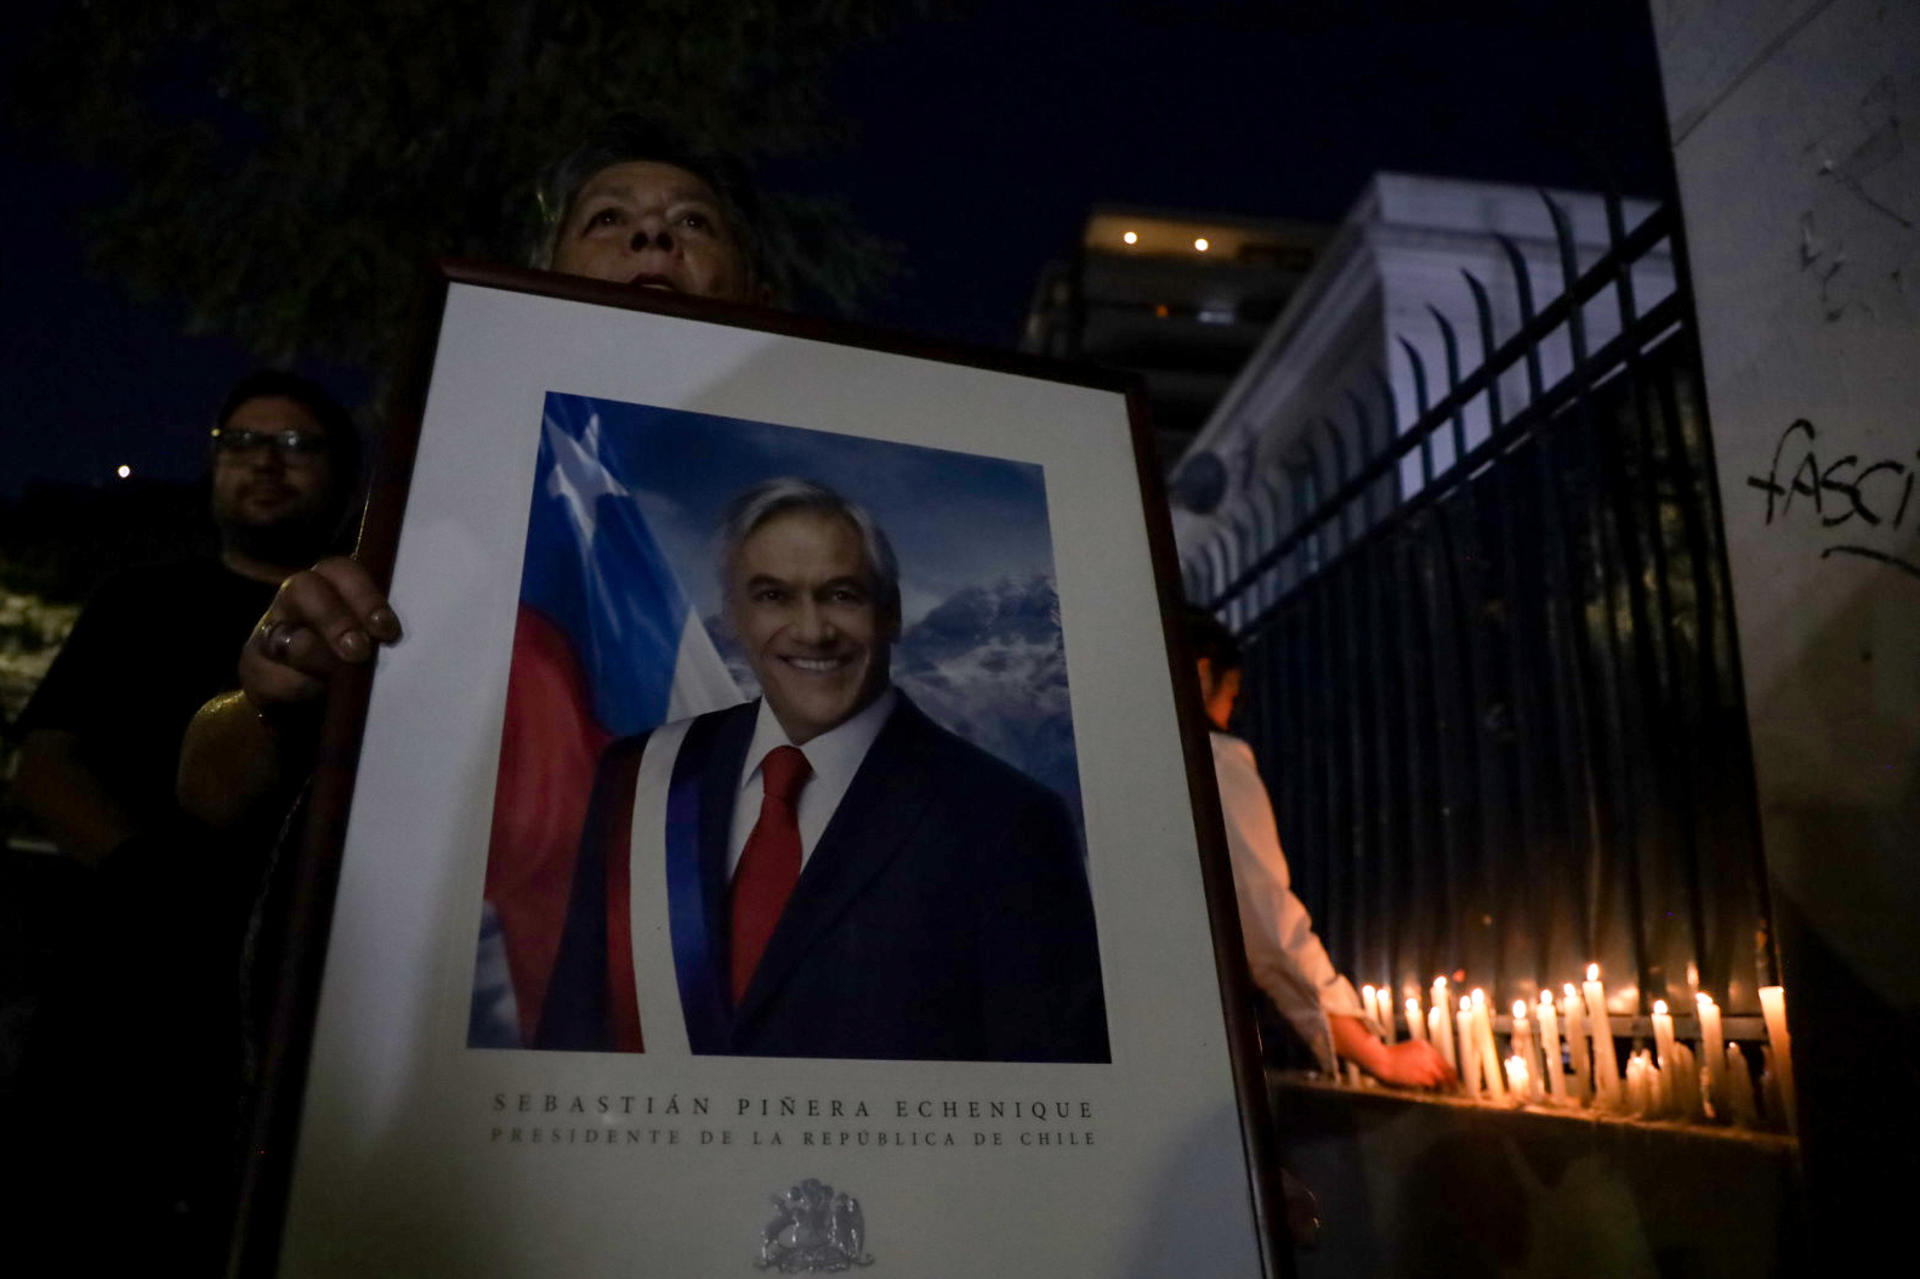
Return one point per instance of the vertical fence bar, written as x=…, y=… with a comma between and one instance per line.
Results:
x=1671, y=697
x=1566, y=633
x=1485, y=837
x=1611, y=505
x=1553, y=915
x=1381, y=763
x=1743, y=811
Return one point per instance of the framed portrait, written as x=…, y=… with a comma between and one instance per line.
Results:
x=781, y=841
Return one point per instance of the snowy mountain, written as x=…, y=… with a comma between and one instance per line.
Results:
x=988, y=663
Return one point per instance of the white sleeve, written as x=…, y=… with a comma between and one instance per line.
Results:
x=1286, y=957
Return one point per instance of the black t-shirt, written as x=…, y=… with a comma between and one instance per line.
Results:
x=149, y=648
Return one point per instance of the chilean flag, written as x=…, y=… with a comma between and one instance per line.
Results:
x=606, y=645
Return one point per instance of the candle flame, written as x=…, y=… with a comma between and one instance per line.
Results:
x=1659, y=1008
x=1479, y=997
x=1366, y=993
x=1520, y=1010
x=1413, y=1005
x=1571, y=992
x=1466, y=1005
x=1593, y=972
x=1704, y=999
x=1546, y=1000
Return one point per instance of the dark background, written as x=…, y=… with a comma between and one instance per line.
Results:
x=974, y=140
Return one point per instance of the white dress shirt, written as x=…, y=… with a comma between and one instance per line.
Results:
x=1285, y=955
x=834, y=756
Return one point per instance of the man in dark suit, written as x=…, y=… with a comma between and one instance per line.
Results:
x=844, y=877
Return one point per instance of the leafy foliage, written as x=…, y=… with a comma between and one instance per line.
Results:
x=290, y=163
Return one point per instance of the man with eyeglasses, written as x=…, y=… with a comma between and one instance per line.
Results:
x=102, y=733
x=154, y=959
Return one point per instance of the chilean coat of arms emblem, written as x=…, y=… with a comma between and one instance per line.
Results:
x=814, y=1231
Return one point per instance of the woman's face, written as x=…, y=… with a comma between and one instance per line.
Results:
x=656, y=226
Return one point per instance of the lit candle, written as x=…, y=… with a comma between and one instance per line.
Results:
x=1740, y=1089
x=1519, y=1078
x=1416, y=1024
x=1606, y=1065
x=1713, y=1044
x=1443, y=1040
x=1773, y=1006
x=1367, y=1002
x=1663, y=1036
x=1636, y=1099
x=1384, y=998
x=1687, y=1094
x=1483, y=1044
x=1577, y=1046
x=1439, y=1033
x=1521, y=1041
x=1550, y=1046
x=1469, y=1049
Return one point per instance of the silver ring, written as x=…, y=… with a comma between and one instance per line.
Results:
x=276, y=640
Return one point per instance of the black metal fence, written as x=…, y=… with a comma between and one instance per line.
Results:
x=1500, y=705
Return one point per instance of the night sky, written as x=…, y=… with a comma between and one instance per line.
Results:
x=978, y=144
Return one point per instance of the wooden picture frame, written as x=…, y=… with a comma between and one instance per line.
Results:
x=398, y=1132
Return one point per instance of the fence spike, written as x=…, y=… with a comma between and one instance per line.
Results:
x=1451, y=345
x=1569, y=272
x=1363, y=429
x=1387, y=397
x=1483, y=311
x=1363, y=422
x=1274, y=494
x=1305, y=445
x=1340, y=474
x=1217, y=567
x=1306, y=496
x=1616, y=232
x=1420, y=402
x=1523, y=288
x=1340, y=471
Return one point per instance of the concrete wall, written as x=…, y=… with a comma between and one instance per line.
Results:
x=1798, y=155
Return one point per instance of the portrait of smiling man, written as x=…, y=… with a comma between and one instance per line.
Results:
x=844, y=877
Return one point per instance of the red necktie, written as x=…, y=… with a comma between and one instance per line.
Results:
x=769, y=865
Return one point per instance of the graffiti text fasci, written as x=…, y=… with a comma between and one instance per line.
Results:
x=1878, y=494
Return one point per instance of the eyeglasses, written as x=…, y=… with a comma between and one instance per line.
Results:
x=289, y=443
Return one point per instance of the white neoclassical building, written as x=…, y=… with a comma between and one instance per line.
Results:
x=1363, y=343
